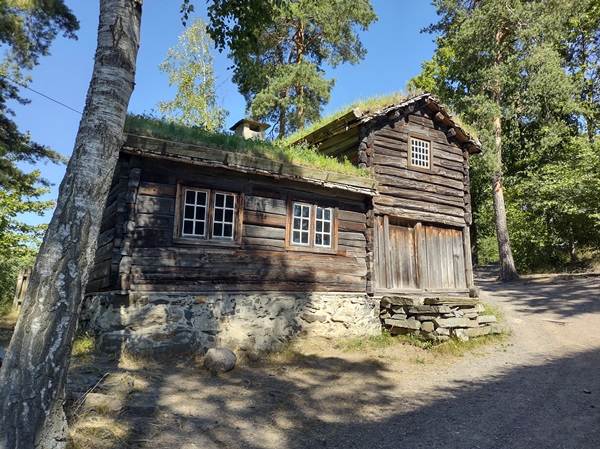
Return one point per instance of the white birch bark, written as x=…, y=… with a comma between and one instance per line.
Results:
x=33, y=375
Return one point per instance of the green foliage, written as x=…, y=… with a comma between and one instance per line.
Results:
x=189, y=66
x=84, y=345
x=279, y=58
x=27, y=28
x=18, y=241
x=534, y=65
x=298, y=155
x=379, y=341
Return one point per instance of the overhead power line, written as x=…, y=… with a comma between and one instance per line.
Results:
x=43, y=95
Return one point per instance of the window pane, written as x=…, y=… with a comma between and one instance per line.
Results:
x=305, y=225
x=218, y=230
x=323, y=227
x=305, y=211
x=223, y=216
x=297, y=210
x=190, y=197
x=194, y=213
x=305, y=238
x=419, y=150
x=296, y=237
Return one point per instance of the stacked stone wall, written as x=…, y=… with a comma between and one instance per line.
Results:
x=437, y=318
x=169, y=323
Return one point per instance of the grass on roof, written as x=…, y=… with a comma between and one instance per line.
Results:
x=369, y=106
x=366, y=106
x=278, y=151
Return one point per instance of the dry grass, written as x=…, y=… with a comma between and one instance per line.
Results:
x=94, y=431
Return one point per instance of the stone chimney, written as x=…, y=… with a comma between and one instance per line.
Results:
x=249, y=129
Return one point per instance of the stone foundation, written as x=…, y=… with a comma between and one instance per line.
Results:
x=168, y=323
x=437, y=318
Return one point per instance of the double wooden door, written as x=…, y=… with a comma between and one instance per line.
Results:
x=414, y=256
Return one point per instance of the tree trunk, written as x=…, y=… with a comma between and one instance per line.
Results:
x=32, y=379
x=508, y=272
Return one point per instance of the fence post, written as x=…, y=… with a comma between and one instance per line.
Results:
x=22, y=283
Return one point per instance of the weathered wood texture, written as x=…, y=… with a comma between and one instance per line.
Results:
x=439, y=194
x=418, y=257
x=155, y=259
x=102, y=276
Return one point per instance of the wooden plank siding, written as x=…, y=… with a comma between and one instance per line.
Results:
x=434, y=195
x=420, y=213
x=161, y=261
x=102, y=276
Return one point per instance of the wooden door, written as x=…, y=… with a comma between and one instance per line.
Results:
x=412, y=256
x=396, y=262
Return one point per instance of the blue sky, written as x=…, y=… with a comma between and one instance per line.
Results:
x=395, y=50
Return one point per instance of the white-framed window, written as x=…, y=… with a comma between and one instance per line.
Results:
x=312, y=227
x=420, y=153
x=301, y=224
x=208, y=214
x=323, y=228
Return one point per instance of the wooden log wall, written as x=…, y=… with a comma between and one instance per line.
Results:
x=440, y=195
x=103, y=275
x=152, y=258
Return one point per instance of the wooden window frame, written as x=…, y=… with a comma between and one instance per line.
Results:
x=418, y=138
x=311, y=246
x=208, y=238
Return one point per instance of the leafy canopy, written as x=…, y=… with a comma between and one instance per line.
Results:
x=189, y=66
x=279, y=55
x=535, y=65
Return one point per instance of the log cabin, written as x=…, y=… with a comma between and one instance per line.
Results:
x=204, y=247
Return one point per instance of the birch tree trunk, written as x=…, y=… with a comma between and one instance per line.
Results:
x=33, y=375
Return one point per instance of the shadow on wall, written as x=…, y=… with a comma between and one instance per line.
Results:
x=279, y=304
x=309, y=402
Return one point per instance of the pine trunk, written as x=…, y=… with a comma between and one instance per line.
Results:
x=33, y=375
x=508, y=272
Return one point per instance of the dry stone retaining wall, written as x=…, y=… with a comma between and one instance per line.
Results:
x=436, y=318
x=166, y=323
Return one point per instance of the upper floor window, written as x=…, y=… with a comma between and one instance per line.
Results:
x=312, y=226
x=209, y=215
x=420, y=153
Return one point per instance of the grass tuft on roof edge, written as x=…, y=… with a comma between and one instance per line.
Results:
x=303, y=155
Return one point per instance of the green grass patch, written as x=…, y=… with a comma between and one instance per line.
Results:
x=459, y=348
x=379, y=341
x=415, y=340
x=84, y=345
x=274, y=150
x=489, y=309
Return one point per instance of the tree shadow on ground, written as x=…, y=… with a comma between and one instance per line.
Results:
x=566, y=295
x=309, y=402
